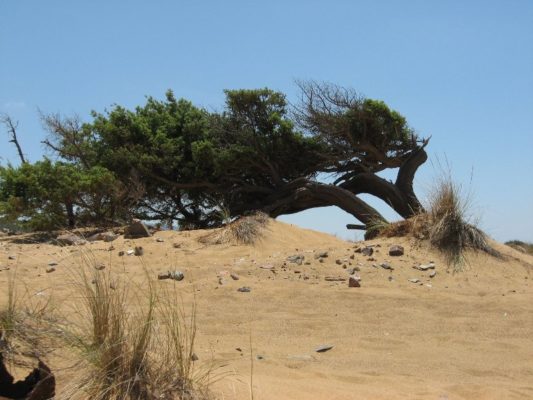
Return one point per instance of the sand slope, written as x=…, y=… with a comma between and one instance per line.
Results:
x=454, y=336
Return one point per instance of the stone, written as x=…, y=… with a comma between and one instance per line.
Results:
x=244, y=289
x=386, y=265
x=99, y=267
x=70, y=239
x=354, y=281
x=160, y=240
x=50, y=269
x=109, y=236
x=260, y=357
x=414, y=280
x=425, y=267
x=136, y=230
x=11, y=258
x=367, y=251
x=176, y=275
x=139, y=251
x=194, y=357
x=120, y=253
x=130, y=252
x=353, y=270
x=163, y=275
x=296, y=259
x=335, y=279
x=176, y=245
x=432, y=274
x=234, y=276
x=52, y=263
x=322, y=254
x=324, y=348
x=396, y=251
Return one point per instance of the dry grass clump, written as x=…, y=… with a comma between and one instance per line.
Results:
x=244, y=230
x=445, y=224
x=142, y=352
x=26, y=326
x=523, y=247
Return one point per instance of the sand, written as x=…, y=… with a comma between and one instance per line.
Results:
x=465, y=335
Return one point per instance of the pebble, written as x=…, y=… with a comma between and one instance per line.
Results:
x=11, y=258
x=194, y=357
x=52, y=263
x=322, y=254
x=396, y=251
x=139, y=251
x=414, y=280
x=324, y=348
x=130, y=252
x=176, y=275
x=297, y=259
x=160, y=240
x=50, y=269
x=120, y=253
x=367, y=251
x=425, y=267
x=99, y=267
x=235, y=277
x=386, y=265
x=354, y=281
x=432, y=274
x=244, y=289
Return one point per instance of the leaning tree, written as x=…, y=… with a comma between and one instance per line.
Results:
x=256, y=154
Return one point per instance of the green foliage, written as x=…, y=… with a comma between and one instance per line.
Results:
x=47, y=195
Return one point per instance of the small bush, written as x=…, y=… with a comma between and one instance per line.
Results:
x=523, y=247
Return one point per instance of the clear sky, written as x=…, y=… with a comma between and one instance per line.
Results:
x=460, y=71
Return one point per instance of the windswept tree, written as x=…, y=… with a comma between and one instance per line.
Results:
x=180, y=163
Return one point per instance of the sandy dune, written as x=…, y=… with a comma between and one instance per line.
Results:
x=453, y=336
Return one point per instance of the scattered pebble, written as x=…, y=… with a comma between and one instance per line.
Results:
x=130, y=252
x=414, y=280
x=386, y=265
x=297, y=259
x=367, y=251
x=322, y=254
x=139, y=251
x=324, y=348
x=396, y=251
x=50, y=269
x=432, y=274
x=120, y=253
x=52, y=263
x=244, y=289
x=194, y=357
x=160, y=240
x=234, y=276
x=99, y=266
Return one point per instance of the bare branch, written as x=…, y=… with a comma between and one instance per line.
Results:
x=12, y=132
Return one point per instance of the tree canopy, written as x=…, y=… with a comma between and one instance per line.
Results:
x=172, y=161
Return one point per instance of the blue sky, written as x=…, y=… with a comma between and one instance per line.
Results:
x=460, y=71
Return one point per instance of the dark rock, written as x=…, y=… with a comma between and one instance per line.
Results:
x=163, y=275
x=324, y=348
x=396, y=251
x=38, y=385
x=234, y=276
x=120, y=253
x=297, y=259
x=338, y=262
x=354, y=281
x=386, y=265
x=194, y=357
x=50, y=269
x=138, y=251
x=136, y=230
x=367, y=251
x=244, y=289
x=432, y=274
x=322, y=254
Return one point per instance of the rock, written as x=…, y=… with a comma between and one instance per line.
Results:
x=234, y=276
x=354, y=281
x=425, y=267
x=69, y=239
x=176, y=275
x=136, y=230
x=52, y=263
x=109, y=236
x=194, y=357
x=221, y=281
x=139, y=251
x=113, y=286
x=414, y=280
x=432, y=274
x=160, y=240
x=335, y=279
x=120, y=253
x=267, y=266
x=11, y=258
x=50, y=269
x=367, y=251
x=386, y=265
x=297, y=259
x=352, y=257
x=163, y=275
x=130, y=252
x=338, y=262
x=324, y=348
x=176, y=245
x=322, y=254
x=99, y=267
x=244, y=289
x=260, y=357
x=396, y=251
